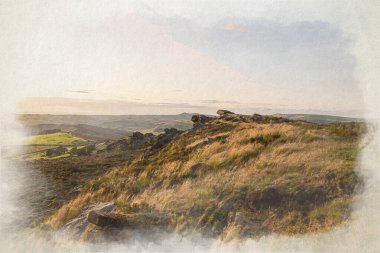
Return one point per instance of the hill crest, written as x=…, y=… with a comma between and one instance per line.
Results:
x=231, y=176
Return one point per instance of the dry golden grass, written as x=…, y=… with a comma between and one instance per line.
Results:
x=70, y=210
x=204, y=169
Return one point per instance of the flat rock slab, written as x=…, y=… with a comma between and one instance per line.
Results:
x=224, y=112
x=76, y=227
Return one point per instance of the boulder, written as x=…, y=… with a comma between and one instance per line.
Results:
x=86, y=150
x=270, y=197
x=120, y=145
x=56, y=151
x=101, y=220
x=137, y=136
x=139, y=140
x=233, y=118
x=200, y=119
x=171, y=131
x=165, y=138
x=74, y=228
x=314, y=194
x=224, y=112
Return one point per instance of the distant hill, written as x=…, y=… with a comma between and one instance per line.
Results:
x=319, y=119
x=117, y=124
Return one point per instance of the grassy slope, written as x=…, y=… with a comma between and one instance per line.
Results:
x=54, y=139
x=237, y=179
x=63, y=176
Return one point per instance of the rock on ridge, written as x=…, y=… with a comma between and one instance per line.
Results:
x=224, y=112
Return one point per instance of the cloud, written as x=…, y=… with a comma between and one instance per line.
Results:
x=307, y=58
x=233, y=28
x=59, y=105
x=81, y=91
x=214, y=101
x=312, y=47
x=178, y=105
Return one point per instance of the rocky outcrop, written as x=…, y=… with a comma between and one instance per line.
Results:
x=136, y=141
x=257, y=118
x=86, y=150
x=270, y=197
x=98, y=218
x=77, y=226
x=140, y=140
x=165, y=138
x=199, y=120
x=120, y=145
x=99, y=221
x=56, y=151
x=231, y=116
x=267, y=119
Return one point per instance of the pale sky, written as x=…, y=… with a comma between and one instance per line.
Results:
x=163, y=57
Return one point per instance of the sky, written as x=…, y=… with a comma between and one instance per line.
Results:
x=167, y=57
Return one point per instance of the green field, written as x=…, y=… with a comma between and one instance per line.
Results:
x=55, y=139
